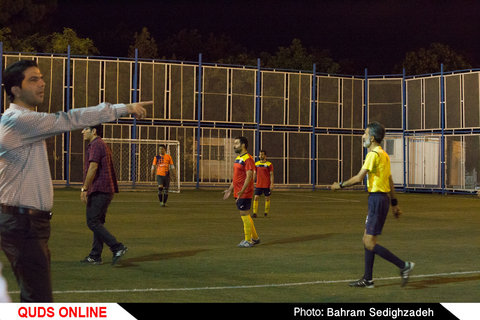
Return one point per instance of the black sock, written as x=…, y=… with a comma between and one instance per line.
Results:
x=369, y=259
x=387, y=255
x=160, y=194
x=165, y=195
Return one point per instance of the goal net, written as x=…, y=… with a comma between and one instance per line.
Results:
x=133, y=158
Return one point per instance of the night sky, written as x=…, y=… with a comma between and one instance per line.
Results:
x=374, y=34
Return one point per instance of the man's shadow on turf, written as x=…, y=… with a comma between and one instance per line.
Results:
x=433, y=282
x=310, y=237
x=130, y=262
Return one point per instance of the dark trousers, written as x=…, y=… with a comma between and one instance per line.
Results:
x=97, y=206
x=25, y=243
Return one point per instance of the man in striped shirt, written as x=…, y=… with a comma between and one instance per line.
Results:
x=26, y=190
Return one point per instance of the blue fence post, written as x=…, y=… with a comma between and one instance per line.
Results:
x=133, y=175
x=67, y=108
x=404, y=128
x=442, y=119
x=199, y=116
x=313, y=150
x=1, y=80
x=257, y=110
x=365, y=116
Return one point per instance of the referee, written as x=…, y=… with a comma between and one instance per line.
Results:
x=380, y=184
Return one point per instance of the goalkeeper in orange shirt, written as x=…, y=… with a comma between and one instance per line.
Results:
x=163, y=164
x=264, y=177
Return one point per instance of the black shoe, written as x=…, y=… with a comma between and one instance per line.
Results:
x=254, y=215
x=90, y=260
x=362, y=283
x=118, y=254
x=405, y=272
x=256, y=241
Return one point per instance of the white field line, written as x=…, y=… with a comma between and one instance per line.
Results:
x=312, y=200
x=272, y=285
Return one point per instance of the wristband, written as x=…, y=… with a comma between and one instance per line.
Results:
x=394, y=202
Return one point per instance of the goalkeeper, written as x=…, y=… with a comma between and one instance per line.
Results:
x=163, y=164
x=380, y=184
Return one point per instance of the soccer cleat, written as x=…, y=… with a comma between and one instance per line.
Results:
x=118, y=254
x=90, y=260
x=362, y=283
x=254, y=215
x=245, y=244
x=265, y=214
x=162, y=204
x=256, y=241
x=405, y=272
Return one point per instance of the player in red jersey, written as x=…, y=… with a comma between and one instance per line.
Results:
x=242, y=185
x=264, y=177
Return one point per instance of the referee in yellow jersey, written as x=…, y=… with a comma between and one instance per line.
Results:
x=380, y=185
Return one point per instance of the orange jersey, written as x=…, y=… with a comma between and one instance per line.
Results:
x=263, y=173
x=163, y=164
x=243, y=164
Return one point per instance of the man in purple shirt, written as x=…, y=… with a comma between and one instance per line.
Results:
x=99, y=186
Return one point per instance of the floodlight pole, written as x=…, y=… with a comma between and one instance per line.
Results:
x=365, y=117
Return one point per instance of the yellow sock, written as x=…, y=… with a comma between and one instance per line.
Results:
x=253, y=233
x=255, y=206
x=267, y=206
x=247, y=227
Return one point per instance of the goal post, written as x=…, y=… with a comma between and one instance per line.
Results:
x=133, y=158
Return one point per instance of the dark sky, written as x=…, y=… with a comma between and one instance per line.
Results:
x=375, y=34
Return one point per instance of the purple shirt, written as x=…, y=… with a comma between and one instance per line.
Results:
x=105, y=179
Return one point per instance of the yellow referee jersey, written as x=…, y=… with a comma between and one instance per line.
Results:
x=377, y=163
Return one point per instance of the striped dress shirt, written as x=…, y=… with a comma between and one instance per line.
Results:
x=25, y=179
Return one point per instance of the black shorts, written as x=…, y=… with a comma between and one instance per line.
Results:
x=266, y=191
x=244, y=204
x=378, y=206
x=163, y=181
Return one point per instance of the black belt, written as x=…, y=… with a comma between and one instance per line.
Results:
x=22, y=210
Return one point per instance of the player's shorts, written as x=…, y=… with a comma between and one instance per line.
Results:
x=266, y=191
x=163, y=181
x=244, y=204
x=378, y=205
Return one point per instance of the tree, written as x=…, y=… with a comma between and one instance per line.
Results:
x=59, y=43
x=26, y=17
x=297, y=57
x=184, y=45
x=429, y=60
x=146, y=45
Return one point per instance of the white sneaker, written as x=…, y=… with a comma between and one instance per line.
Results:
x=245, y=244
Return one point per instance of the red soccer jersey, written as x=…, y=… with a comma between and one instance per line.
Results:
x=263, y=173
x=243, y=164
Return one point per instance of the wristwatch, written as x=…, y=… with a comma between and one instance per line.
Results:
x=83, y=189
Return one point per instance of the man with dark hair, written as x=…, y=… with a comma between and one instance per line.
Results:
x=99, y=186
x=379, y=184
x=242, y=185
x=163, y=164
x=263, y=175
x=26, y=190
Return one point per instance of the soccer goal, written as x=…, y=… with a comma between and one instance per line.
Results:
x=133, y=158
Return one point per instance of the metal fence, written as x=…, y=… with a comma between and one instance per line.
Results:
x=310, y=124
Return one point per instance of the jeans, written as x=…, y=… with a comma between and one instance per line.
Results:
x=25, y=243
x=97, y=205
